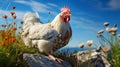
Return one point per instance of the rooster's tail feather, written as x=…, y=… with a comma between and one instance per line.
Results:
x=31, y=18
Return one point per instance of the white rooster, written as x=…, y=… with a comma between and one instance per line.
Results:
x=47, y=37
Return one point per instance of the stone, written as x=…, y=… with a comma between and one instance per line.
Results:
x=97, y=58
x=36, y=60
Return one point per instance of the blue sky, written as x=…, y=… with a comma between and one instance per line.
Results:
x=87, y=17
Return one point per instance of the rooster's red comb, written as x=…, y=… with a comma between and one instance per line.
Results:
x=65, y=9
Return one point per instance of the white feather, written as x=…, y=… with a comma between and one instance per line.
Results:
x=43, y=35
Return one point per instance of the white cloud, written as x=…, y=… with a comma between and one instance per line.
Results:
x=114, y=4
x=36, y=6
x=19, y=14
x=22, y=2
x=109, y=5
x=51, y=4
x=85, y=23
x=40, y=7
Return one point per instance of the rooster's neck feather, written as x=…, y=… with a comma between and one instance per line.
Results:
x=59, y=25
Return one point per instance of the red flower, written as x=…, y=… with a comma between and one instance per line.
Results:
x=14, y=28
x=12, y=13
x=6, y=38
x=4, y=16
x=14, y=17
x=13, y=39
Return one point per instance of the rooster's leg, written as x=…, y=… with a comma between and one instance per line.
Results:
x=54, y=58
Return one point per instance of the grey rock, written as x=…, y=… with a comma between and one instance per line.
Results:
x=98, y=55
x=35, y=60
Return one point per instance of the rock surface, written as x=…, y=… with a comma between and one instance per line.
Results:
x=35, y=60
x=97, y=57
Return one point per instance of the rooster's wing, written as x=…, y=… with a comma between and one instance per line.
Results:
x=39, y=32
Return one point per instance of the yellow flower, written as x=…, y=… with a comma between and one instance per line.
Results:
x=89, y=42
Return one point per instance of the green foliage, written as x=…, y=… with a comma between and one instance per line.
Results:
x=113, y=41
x=12, y=47
x=114, y=55
x=13, y=55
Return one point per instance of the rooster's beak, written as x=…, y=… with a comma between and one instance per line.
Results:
x=69, y=14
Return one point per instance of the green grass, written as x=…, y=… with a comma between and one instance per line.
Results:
x=112, y=41
x=12, y=55
x=12, y=47
x=114, y=55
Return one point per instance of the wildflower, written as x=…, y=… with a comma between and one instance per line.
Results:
x=14, y=28
x=4, y=25
x=4, y=16
x=14, y=17
x=89, y=42
x=9, y=33
x=106, y=48
x=113, y=33
x=21, y=22
x=13, y=39
x=108, y=30
x=81, y=45
x=12, y=13
x=6, y=38
x=13, y=7
x=19, y=33
x=14, y=23
x=106, y=24
x=100, y=32
x=114, y=29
